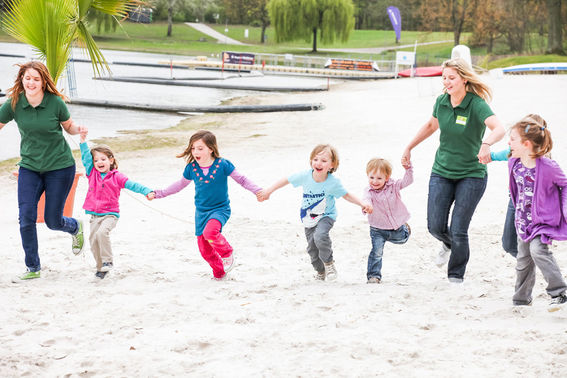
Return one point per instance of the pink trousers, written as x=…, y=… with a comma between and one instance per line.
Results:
x=213, y=247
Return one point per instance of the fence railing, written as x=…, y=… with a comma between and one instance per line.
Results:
x=307, y=61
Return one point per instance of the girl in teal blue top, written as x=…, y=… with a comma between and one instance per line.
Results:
x=209, y=171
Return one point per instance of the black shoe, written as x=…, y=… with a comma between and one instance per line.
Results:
x=100, y=275
x=557, y=302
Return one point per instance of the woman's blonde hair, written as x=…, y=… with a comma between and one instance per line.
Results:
x=208, y=138
x=379, y=165
x=104, y=149
x=473, y=83
x=47, y=83
x=534, y=128
x=331, y=150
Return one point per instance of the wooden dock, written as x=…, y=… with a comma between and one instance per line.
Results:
x=293, y=70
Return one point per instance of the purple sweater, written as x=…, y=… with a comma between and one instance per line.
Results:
x=183, y=182
x=549, y=205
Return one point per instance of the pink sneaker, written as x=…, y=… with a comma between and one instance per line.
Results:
x=223, y=278
x=228, y=263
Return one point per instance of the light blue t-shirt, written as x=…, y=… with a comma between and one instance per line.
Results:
x=318, y=197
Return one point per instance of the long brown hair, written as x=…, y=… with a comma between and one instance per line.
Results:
x=47, y=83
x=104, y=149
x=534, y=128
x=208, y=138
x=473, y=82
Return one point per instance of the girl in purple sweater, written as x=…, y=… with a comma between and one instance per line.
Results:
x=209, y=172
x=538, y=189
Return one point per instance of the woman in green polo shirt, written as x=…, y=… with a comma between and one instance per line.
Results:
x=458, y=178
x=46, y=164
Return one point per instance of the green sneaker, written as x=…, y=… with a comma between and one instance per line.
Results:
x=30, y=275
x=78, y=240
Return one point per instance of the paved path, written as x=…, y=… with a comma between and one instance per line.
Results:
x=221, y=38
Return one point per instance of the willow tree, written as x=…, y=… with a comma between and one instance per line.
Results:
x=53, y=27
x=302, y=19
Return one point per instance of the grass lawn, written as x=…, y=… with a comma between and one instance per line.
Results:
x=188, y=41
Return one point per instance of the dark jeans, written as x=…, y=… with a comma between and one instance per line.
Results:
x=464, y=195
x=56, y=185
x=379, y=237
x=509, y=236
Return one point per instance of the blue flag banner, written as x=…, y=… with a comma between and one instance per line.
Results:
x=396, y=20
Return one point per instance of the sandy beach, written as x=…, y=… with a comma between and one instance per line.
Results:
x=159, y=313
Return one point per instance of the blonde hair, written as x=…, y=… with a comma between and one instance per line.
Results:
x=208, y=138
x=473, y=83
x=331, y=150
x=47, y=83
x=104, y=149
x=534, y=128
x=379, y=165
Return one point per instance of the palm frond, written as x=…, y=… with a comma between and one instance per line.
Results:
x=119, y=8
x=86, y=41
x=44, y=25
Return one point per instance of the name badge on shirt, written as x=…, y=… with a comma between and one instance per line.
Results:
x=461, y=120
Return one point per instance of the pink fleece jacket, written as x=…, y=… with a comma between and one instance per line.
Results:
x=103, y=193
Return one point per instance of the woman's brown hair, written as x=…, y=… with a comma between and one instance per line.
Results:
x=473, y=82
x=47, y=84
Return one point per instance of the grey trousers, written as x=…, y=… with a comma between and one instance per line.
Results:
x=532, y=254
x=100, y=238
x=319, y=245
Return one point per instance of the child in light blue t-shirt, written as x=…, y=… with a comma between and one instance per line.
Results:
x=318, y=212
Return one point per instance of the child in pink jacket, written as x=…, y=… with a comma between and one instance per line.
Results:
x=105, y=184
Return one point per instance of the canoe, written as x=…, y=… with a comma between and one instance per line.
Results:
x=422, y=72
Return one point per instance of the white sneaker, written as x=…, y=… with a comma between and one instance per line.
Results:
x=106, y=267
x=443, y=256
x=228, y=263
x=330, y=271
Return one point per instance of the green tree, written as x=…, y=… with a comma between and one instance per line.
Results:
x=52, y=27
x=555, y=34
x=301, y=19
x=258, y=11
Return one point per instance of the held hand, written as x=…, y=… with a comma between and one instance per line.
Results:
x=484, y=154
x=367, y=208
x=83, y=131
x=406, y=158
x=150, y=196
x=262, y=195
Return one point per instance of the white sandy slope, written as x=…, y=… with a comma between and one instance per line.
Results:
x=160, y=314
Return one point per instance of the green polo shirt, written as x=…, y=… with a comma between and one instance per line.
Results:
x=43, y=147
x=461, y=131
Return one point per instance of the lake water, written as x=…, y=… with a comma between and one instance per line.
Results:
x=105, y=122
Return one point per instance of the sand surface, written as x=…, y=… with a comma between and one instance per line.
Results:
x=160, y=314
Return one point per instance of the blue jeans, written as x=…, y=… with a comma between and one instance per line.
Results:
x=463, y=195
x=379, y=237
x=56, y=185
x=509, y=236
